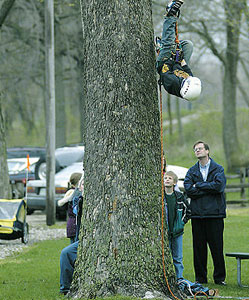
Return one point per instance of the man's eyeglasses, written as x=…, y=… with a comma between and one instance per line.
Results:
x=198, y=149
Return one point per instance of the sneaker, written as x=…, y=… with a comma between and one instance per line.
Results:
x=173, y=8
x=220, y=283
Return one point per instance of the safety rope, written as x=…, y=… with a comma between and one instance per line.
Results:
x=162, y=198
x=162, y=190
x=177, y=37
x=162, y=184
x=200, y=292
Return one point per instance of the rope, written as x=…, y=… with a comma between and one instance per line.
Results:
x=162, y=191
x=177, y=38
x=162, y=197
x=200, y=292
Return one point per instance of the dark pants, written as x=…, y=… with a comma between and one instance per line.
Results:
x=208, y=232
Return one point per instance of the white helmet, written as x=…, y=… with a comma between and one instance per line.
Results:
x=191, y=88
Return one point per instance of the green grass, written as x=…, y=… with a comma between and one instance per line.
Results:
x=236, y=239
x=34, y=273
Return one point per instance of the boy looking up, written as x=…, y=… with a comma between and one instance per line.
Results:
x=177, y=215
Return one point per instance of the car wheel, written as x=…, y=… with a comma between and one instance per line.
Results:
x=40, y=168
x=25, y=234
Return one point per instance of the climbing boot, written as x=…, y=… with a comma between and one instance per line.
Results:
x=173, y=8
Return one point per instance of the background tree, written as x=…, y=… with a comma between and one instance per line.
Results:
x=220, y=28
x=22, y=73
x=220, y=34
x=120, y=249
x=4, y=175
x=5, y=192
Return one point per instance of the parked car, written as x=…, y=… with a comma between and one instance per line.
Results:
x=18, y=174
x=64, y=156
x=36, y=190
x=21, y=152
x=17, y=163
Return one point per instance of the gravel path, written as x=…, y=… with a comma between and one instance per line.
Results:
x=38, y=231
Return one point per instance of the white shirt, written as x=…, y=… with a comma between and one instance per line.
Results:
x=204, y=170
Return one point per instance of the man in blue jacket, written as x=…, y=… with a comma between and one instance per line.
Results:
x=205, y=184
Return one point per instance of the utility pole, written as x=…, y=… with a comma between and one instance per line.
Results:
x=50, y=111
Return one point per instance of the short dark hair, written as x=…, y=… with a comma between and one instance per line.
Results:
x=201, y=142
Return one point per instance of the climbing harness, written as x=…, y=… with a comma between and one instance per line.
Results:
x=177, y=55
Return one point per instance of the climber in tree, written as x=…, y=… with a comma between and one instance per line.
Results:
x=173, y=58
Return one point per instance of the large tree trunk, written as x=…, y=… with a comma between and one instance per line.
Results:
x=120, y=240
x=230, y=138
x=5, y=9
x=5, y=192
x=82, y=99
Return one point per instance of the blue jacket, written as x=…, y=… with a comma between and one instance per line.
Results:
x=207, y=197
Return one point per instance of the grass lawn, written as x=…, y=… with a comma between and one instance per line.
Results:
x=34, y=274
x=236, y=239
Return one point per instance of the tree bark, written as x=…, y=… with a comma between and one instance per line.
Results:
x=5, y=9
x=5, y=192
x=120, y=239
x=233, y=12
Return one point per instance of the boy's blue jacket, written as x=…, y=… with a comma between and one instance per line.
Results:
x=207, y=197
x=182, y=214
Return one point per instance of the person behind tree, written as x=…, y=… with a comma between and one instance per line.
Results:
x=69, y=254
x=67, y=200
x=177, y=213
x=173, y=58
